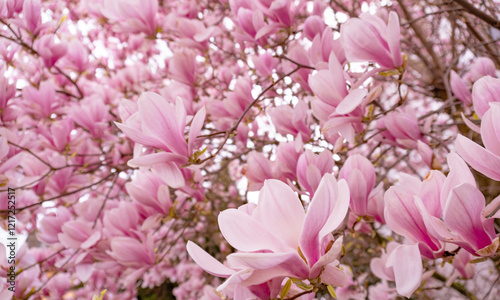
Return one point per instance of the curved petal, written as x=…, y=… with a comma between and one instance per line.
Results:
x=393, y=36
x=463, y=214
x=478, y=158
x=407, y=264
x=140, y=137
x=351, y=101
x=280, y=212
x=247, y=234
x=156, y=158
x=326, y=212
x=207, y=262
x=289, y=263
x=196, y=126
x=170, y=173
x=160, y=119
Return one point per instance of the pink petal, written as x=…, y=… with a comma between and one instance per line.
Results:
x=159, y=119
x=247, y=234
x=140, y=137
x=170, y=173
x=290, y=262
x=478, y=158
x=195, y=129
x=281, y=212
x=207, y=262
x=393, y=36
x=407, y=264
x=156, y=158
x=490, y=129
x=334, y=276
x=463, y=214
x=459, y=173
x=326, y=212
x=351, y=101
x=471, y=125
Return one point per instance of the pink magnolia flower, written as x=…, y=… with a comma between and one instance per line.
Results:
x=92, y=114
x=79, y=234
x=50, y=225
x=57, y=137
x=402, y=129
x=464, y=223
x=182, y=66
x=294, y=121
x=149, y=190
x=368, y=38
x=359, y=173
x=13, y=6
x=482, y=66
x=50, y=49
x=257, y=169
x=403, y=216
x=131, y=252
x=312, y=26
x=41, y=102
x=287, y=156
x=132, y=16
x=277, y=239
x=122, y=220
x=484, y=91
x=32, y=13
x=311, y=168
x=158, y=124
x=402, y=264
x=485, y=160
x=265, y=63
x=460, y=89
x=77, y=56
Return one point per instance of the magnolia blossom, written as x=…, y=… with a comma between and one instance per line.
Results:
x=276, y=239
x=368, y=38
x=360, y=175
x=158, y=124
x=132, y=16
x=485, y=160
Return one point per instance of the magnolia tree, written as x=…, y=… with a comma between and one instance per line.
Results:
x=249, y=149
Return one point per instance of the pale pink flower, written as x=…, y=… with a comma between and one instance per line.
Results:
x=460, y=89
x=294, y=121
x=132, y=16
x=158, y=124
x=312, y=26
x=277, y=239
x=312, y=167
x=41, y=102
x=50, y=225
x=402, y=264
x=50, y=49
x=131, y=252
x=79, y=234
x=368, y=38
x=257, y=170
x=359, y=173
x=482, y=66
x=484, y=91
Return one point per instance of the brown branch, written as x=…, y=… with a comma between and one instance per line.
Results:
x=235, y=126
x=479, y=13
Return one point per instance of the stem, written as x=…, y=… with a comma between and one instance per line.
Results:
x=456, y=286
